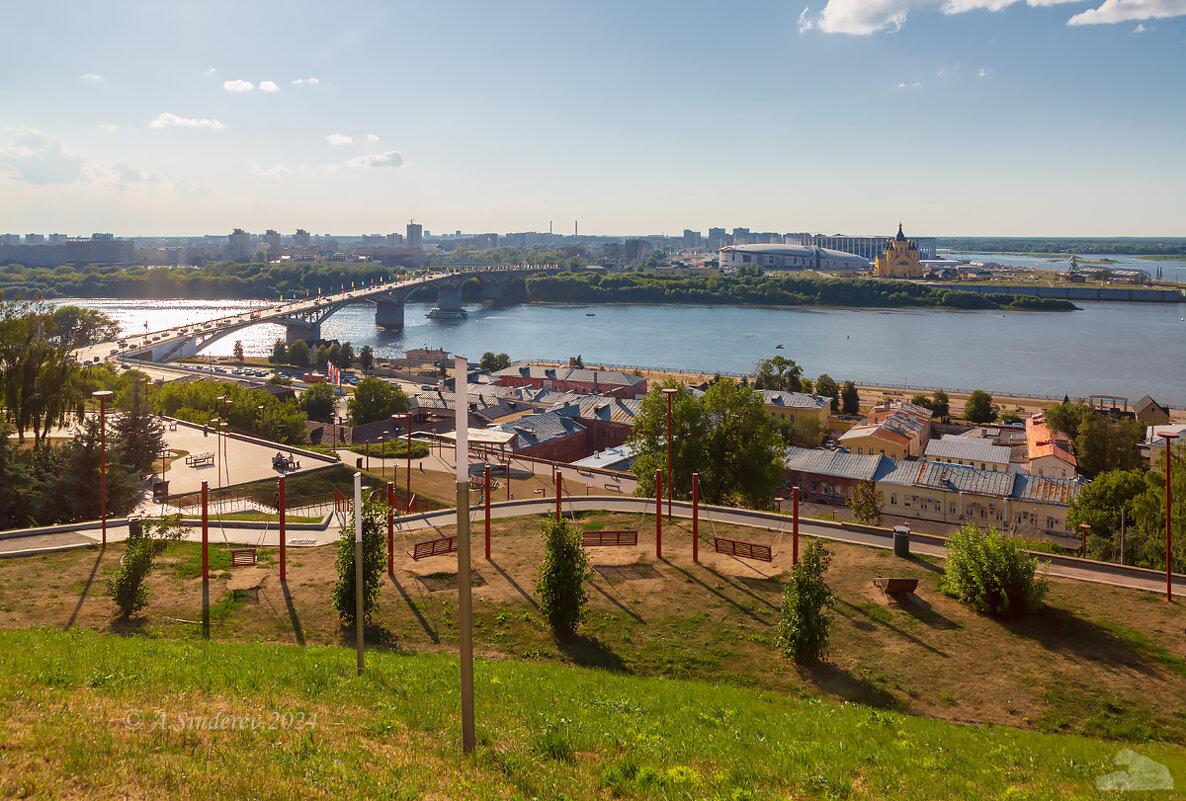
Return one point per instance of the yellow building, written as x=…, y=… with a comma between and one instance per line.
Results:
x=799, y=408
x=898, y=259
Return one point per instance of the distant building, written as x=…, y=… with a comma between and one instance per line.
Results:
x=34, y=239
x=552, y=435
x=898, y=430
x=238, y=244
x=789, y=257
x=899, y=259
x=970, y=451
x=415, y=235
x=798, y=407
x=865, y=246
x=301, y=239
x=1049, y=453
x=573, y=379
x=1151, y=413
x=272, y=240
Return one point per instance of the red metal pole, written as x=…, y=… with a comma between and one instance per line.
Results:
x=391, y=528
x=795, y=526
x=408, y=500
x=103, y=465
x=558, y=493
x=205, y=536
x=1169, y=587
x=669, y=481
x=658, y=514
x=486, y=494
x=508, y=476
x=696, y=518
x=283, y=535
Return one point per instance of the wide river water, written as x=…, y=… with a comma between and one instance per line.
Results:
x=1128, y=349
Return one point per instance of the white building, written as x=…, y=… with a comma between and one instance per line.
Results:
x=789, y=257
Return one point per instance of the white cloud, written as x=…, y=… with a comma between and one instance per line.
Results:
x=109, y=127
x=238, y=86
x=92, y=77
x=268, y=86
x=391, y=158
x=337, y=140
x=275, y=171
x=39, y=158
x=983, y=72
x=167, y=120
x=1129, y=10
x=372, y=138
x=310, y=81
x=865, y=17
x=806, y=23
x=129, y=174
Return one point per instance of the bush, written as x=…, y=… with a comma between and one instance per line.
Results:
x=127, y=587
x=560, y=582
x=991, y=573
x=806, y=616
x=374, y=522
x=392, y=450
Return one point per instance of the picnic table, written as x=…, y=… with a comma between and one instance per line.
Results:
x=200, y=459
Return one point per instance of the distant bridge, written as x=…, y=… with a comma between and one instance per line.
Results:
x=302, y=319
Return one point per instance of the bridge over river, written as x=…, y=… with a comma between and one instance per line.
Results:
x=302, y=319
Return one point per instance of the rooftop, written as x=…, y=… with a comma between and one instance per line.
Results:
x=973, y=449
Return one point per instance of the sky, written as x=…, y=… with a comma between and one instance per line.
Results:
x=956, y=117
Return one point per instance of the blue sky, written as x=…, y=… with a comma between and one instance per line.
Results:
x=958, y=117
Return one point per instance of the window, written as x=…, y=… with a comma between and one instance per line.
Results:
x=894, y=500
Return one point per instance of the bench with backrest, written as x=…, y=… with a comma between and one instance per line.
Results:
x=439, y=547
x=742, y=549
x=597, y=539
x=896, y=588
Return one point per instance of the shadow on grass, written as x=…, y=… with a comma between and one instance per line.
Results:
x=925, y=564
x=1062, y=631
x=526, y=595
x=293, y=618
x=86, y=588
x=591, y=652
x=717, y=593
x=374, y=635
x=128, y=626
x=923, y=612
x=739, y=583
x=863, y=620
x=424, y=624
x=637, y=617
x=832, y=680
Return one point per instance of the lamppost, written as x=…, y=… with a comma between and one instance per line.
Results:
x=1169, y=438
x=669, y=392
x=260, y=423
x=382, y=454
x=408, y=491
x=103, y=395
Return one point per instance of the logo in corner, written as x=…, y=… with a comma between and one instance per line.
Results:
x=1142, y=774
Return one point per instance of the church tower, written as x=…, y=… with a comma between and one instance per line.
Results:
x=898, y=259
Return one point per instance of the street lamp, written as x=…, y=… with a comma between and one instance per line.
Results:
x=1169, y=438
x=669, y=392
x=260, y=424
x=408, y=491
x=103, y=395
x=382, y=451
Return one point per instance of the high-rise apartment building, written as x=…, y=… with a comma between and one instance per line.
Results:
x=301, y=239
x=238, y=244
x=415, y=235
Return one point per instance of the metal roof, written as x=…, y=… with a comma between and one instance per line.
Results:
x=794, y=400
x=951, y=446
x=1046, y=489
x=832, y=463
x=962, y=478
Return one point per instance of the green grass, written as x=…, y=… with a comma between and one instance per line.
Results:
x=100, y=715
x=273, y=519
x=1142, y=643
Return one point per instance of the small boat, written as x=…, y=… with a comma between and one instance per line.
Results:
x=447, y=314
x=590, y=314
x=778, y=347
x=1000, y=315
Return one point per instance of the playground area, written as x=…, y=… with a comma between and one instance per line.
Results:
x=714, y=621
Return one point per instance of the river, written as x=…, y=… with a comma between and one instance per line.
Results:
x=1170, y=270
x=1128, y=349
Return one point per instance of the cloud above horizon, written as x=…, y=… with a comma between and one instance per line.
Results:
x=866, y=17
x=391, y=158
x=268, y=86
x=338, y=140
x=39, y=158
x=167, y=120
x=238, y=86
x=309, y=81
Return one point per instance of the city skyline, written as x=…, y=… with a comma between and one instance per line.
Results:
x=963, y=118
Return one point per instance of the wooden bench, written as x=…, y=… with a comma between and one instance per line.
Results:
x=597, y=539
x=242, y=557
x=744, y=550
x=896, y=588
x=423, y=550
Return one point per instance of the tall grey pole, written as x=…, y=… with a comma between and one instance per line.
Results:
x=464, y=595
x=358, y=613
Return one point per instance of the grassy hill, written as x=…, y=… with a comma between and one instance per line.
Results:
x=89, y=715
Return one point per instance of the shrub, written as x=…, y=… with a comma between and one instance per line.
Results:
x=991, y=573
x=806, y=616
x=127, y=587
x=374, y=521
x=560, y=582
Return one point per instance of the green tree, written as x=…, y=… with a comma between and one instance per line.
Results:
x=744, y=455
x=494, y=362
x=345, y=356
x=137, y=435
x=237, y=351
x=319, y=402
x=374, y=524
x=321, y=357
x=1067, y=416
x=366, y=358
x=805, y=620
x=1148, y=544
x=1100, y=504
x=76, y=327
x=866, y=503
x=826, y=385
x=992, y=573
x=778, y=372
x=940, y=404
x=804, y=433
x=375, y=400
x=850, y=399
x=979, y=408
x=561, y=578
x=127, y=586
x=279, y=352
x=1104, y=444
x=298, y=353
x=688, y=438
